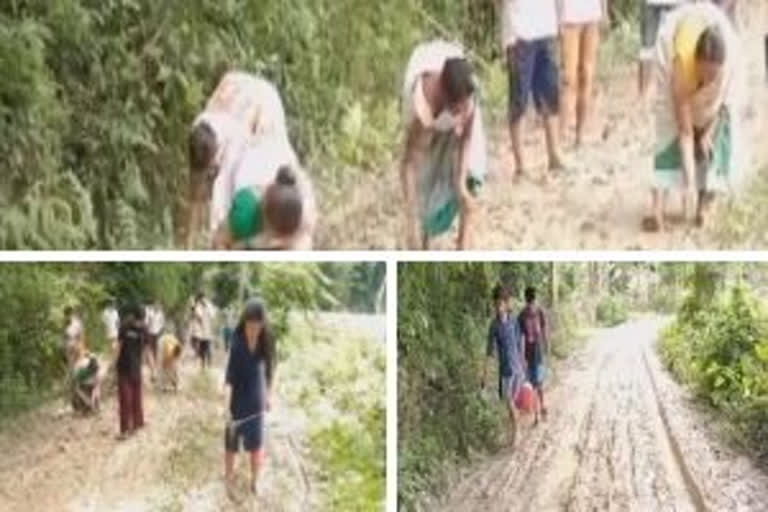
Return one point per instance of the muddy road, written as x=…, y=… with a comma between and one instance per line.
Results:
x=613, y=441
x=52, y=460
x=597, y=204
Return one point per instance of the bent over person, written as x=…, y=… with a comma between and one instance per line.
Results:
x=444, y=161
x=243, y=109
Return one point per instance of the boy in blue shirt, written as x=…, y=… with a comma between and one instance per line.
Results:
x=505, y=341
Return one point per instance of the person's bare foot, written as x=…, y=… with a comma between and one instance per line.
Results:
x=652, y=224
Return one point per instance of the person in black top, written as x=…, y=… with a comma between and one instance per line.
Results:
x=249, y=378
x=131, y=339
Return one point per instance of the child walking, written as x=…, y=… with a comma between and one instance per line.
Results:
x=534, y=332
x=505, y=341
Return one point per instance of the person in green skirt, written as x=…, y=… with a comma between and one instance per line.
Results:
x=275, y=212
x=444, y=161
x=697, y=110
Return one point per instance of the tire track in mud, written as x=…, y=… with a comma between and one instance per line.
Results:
x=693, y=488
x=604, y=446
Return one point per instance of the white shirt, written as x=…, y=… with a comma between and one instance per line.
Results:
x=111, y=321
x=202, y=326
x=582, y=11
x=155, y=321
x=74, y=331
x=528, y=20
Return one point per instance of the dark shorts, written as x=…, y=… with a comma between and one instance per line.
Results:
x=534, y=359
x=250, y=433
x=650, y=23
x=203, y=347
x=533, y=71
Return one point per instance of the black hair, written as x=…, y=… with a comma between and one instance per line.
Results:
x=93, y=365
x=456, y=80
x=500, y=292
x=69, y=310
x=202, y=147
x=265, y=347
x=530, y=294
x=711, y=46
x=132, y=310
x=284, y=207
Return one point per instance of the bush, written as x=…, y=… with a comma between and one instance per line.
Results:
x=611, y=311
x=722, y=353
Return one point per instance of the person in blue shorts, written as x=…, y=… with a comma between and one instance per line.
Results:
x=250, y=378
x=533, y=326
x=529, y=39
x=505, y=341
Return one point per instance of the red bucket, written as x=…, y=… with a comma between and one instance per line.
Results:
x=526, y=398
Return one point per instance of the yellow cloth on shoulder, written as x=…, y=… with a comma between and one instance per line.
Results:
x=687, y=37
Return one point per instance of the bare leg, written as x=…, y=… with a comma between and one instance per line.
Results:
x=571, y=34
x=512, y=423
x=256, y=459
x=229, y=466
x=542, y=407
x=515, y=131
x=590, y=39
x=655, y=221
x=465, y=218
x=553, y=148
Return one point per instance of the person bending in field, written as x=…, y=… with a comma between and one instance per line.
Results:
x=131, y=342
x=250, y=377
x=444, y=161
x=698, y=110
x=505, y=341
x=534, y=330
x=87, y=376
x=273, y=208
x=240, y=141
x=529, y=33
x=170, y=354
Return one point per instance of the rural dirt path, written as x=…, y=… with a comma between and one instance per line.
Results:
x=52, y=460
x=597, y=204
x=615, y=440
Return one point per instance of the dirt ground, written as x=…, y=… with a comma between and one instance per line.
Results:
x=620, y=436
x=52, y=460
x=597, y=204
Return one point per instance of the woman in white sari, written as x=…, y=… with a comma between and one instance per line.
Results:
x=700, y=96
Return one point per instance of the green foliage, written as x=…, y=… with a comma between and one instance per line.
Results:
x=339, y=382
x=721, y=351
x=97, y=97
x=612, y=311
